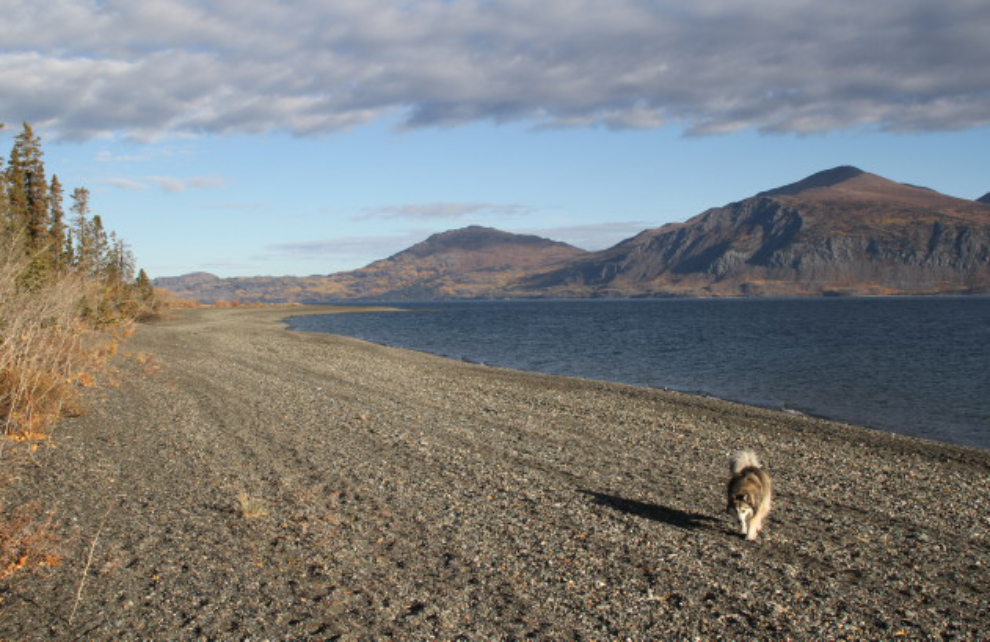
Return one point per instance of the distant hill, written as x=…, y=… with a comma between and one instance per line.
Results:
x=474, y=262
x=837, y=232
x=984, y=199
x=196, y=285
x=841, y=231
x=467, y=263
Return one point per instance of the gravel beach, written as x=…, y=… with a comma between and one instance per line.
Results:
x=241, y=481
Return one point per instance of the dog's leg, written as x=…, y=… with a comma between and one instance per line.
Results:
x=756, y=525
x=743, y=528
x=754, y=529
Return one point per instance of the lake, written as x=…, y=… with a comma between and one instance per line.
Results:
x=915, y=365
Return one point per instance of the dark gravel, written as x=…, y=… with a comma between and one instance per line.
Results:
x=412, y=497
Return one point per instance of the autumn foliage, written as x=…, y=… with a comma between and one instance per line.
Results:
x=68, y=295
x=66, y=289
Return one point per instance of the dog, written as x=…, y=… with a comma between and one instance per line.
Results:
x=749, y=493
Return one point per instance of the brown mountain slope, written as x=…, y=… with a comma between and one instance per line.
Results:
x=467, y=263
x=838, y=231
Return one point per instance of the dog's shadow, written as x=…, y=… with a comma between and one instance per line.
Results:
x=664, y=514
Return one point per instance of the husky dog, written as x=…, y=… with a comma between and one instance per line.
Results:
x=749, y=492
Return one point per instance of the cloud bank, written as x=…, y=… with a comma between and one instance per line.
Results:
x=168, y=184
x=440, y=211
x=349, y=248
x=85, y=69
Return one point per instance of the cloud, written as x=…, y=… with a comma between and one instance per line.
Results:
x=371, y=248
x=126, y=183
x=147, y=154
x=167, y=183
x=84, y=69
x=109, y=157
x=364, y=248
x=175, y=185
x=441, y=211
x=254, y=206
x=593, y=237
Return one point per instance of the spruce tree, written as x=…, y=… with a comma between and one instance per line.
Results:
x=85, y=259
x=100, y=248
x=6, y=222
x=142, y=284
x=27, y=189
x=57, y=231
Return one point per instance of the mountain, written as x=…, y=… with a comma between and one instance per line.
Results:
x=984, y=199
x=841, y=231
x=196, y=285
x=474, y=262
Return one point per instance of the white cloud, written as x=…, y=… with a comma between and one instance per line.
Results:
x=148, y=69
x=593, y=237
x=441, y=211
x=167, y=183
x=174, y=185
x=126, y=183
x=109, y=157
x=361, y=248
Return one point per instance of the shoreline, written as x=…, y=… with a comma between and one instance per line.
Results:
x=411, y=496
x=925, y=432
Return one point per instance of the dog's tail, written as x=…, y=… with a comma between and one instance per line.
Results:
x=742, y=460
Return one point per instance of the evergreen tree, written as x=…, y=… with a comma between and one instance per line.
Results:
x=57, y=231
x=6, y=224
x=27, y=189
x=145, y=291
x=102, y=262
x=85, y=259
x=119, y=262
x=33, y=222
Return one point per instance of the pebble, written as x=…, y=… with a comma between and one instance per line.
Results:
x=412, y=497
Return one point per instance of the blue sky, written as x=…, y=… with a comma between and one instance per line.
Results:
x=304, y=137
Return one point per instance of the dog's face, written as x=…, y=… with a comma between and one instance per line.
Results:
x=740, y=505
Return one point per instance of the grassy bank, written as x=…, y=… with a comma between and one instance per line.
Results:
x=51, y=346
x=68, y=295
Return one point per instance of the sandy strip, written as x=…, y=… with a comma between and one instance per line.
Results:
x=406, y=496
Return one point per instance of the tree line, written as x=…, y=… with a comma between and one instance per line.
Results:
x=52, y=243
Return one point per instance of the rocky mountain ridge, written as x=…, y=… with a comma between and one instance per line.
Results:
x=842, y=231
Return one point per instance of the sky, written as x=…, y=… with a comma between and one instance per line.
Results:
x=298, y=137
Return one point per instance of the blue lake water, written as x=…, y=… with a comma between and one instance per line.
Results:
x=915, y=366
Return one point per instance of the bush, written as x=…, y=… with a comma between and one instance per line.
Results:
x=46, y=347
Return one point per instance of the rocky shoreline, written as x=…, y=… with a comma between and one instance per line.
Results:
x=245, y=482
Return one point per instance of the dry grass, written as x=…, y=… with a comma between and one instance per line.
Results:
x=167, y=300
x=49, y=350
x=46, y=350
x=251, y=507
x=27, y=540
